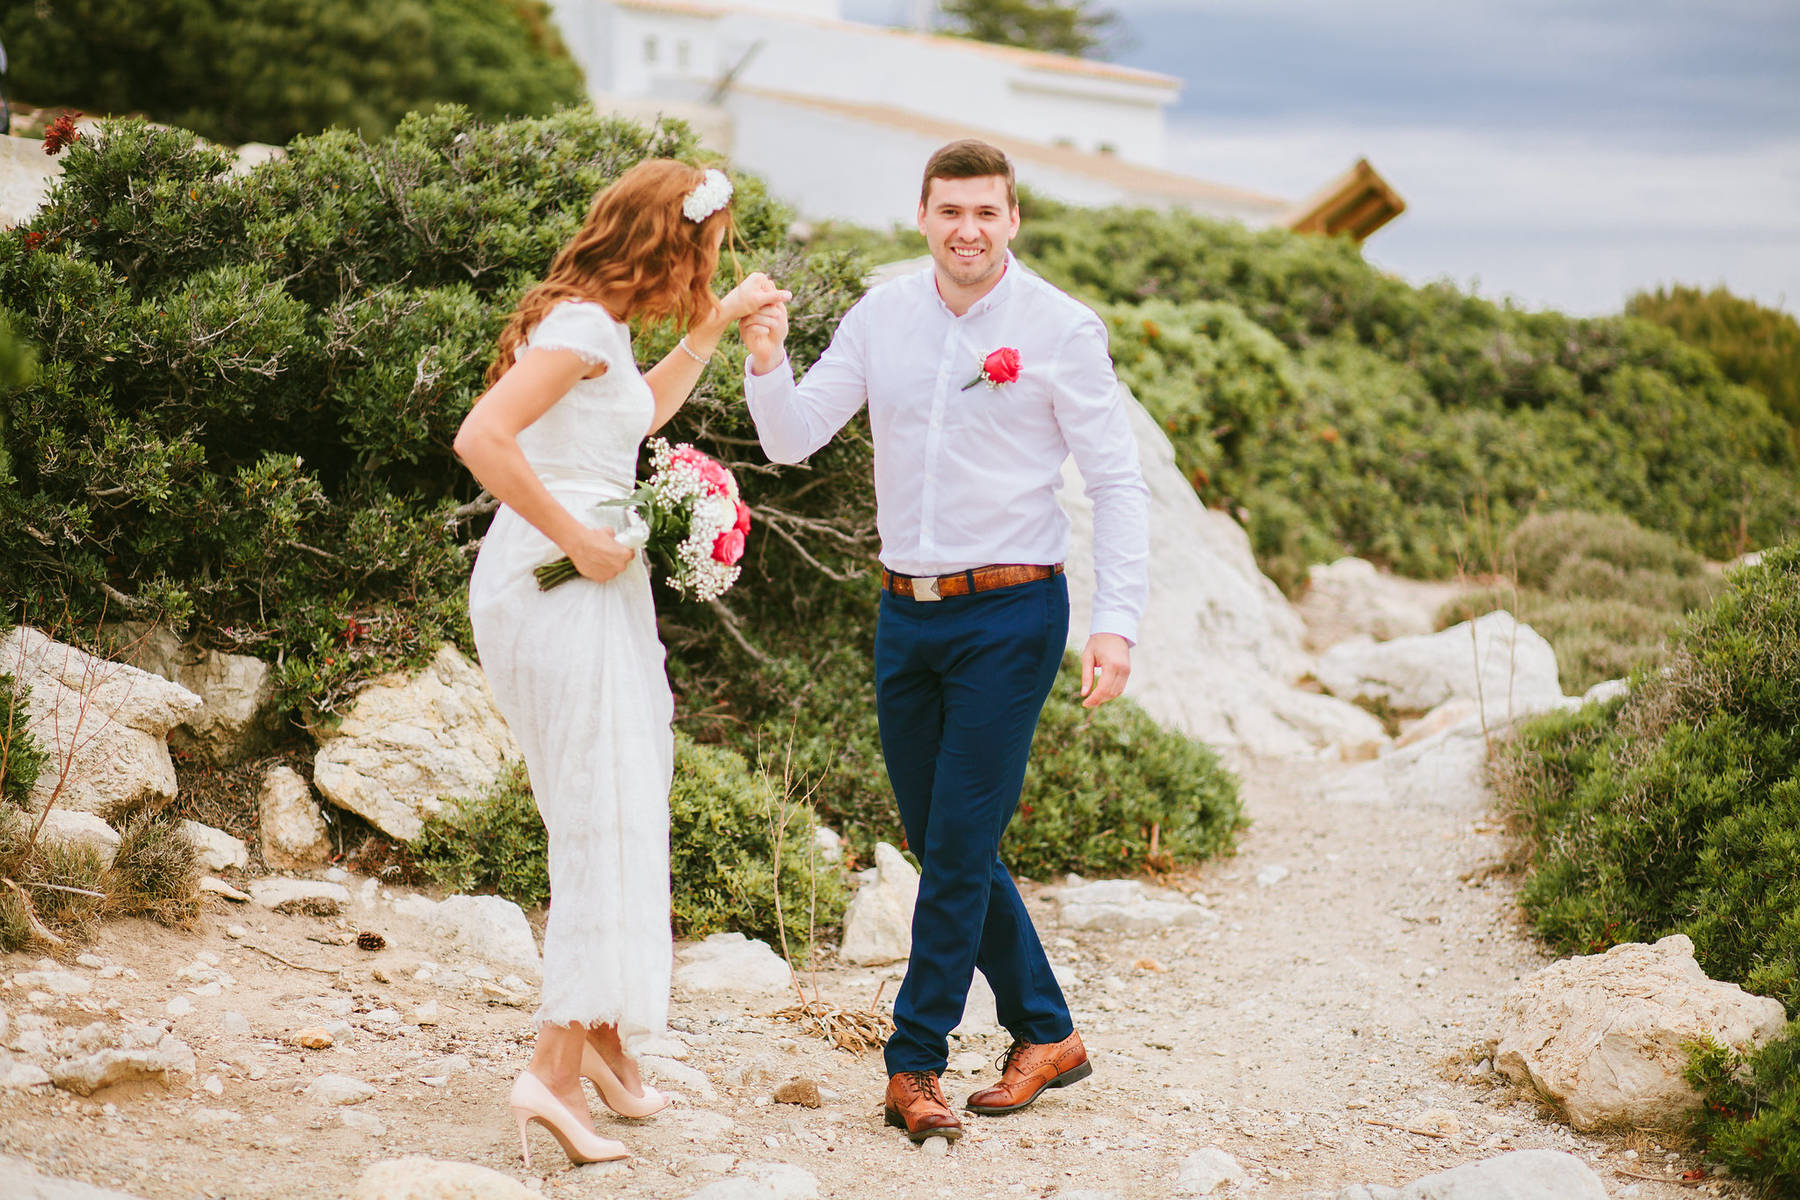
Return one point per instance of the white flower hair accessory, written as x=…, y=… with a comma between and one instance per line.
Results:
x=712, y=194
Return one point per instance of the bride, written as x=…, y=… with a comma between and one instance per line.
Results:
x=577, y=671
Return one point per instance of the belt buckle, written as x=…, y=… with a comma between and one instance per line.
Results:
x=925, y=589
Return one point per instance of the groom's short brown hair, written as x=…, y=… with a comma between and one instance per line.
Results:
x=969, y=159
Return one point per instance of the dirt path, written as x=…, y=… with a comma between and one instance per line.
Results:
x=1349, y=990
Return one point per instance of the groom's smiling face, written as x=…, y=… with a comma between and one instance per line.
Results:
x=968, y=223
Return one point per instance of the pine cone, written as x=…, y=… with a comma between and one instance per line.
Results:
x=370, y=941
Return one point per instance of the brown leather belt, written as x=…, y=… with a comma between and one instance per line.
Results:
x=963, y=583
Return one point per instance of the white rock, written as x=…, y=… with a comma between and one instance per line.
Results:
x=1205, y=1171
x=1520, y=1175
x=980, y=1017
x=214, y=886
x=829, y=844
x=731, y=962
x=1125, y=906
x=1606, y=689
x=237, y=692
x=1445, y=770
x=18, y=1076
x=1271, y=875
x=234, y=1023
x=1502, y=665
x=1451, y=714
x=408, y=744
x=217, y=850
x=486, y=927
x=308, y=896
x=81, y=829
x=332, y=1088
x=57, y=982
x=419, y=1178
x=764, y=1181
x=878, y=922
x=425, y=1014
x=293, y=829
x=368, y=1123
x=180, y=1006
x=1605, y=1036
x=107, y=721
x=1211, y=615
x=678, y=1074
x=19, y=1180
x=1352, y=596
x=168, y=1060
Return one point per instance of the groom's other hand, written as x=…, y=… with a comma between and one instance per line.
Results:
x=763, y=333
x=1105, y=666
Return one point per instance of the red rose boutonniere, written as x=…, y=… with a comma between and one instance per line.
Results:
x=1002, y=366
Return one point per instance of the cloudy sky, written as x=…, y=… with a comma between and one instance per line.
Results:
x=1561, y=152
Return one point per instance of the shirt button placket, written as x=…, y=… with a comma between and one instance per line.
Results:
x=934, y=434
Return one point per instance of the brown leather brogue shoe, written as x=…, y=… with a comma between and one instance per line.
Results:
x=1028, y=1069
x=915, y=1103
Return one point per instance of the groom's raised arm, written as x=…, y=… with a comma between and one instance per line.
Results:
x=793, y=420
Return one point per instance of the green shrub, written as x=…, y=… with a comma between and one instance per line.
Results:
x=266, y=70
x=21, y=757
x=494, y=842
x=1677, y=810
x=1752, y=1111
x=721, y=847
x=1604, y=591
x=1753, y=345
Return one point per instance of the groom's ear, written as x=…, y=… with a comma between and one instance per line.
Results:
x=921, y=220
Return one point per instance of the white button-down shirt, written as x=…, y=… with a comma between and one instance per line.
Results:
x=966, y=478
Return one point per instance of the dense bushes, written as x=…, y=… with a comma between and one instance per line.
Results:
x=1603, y=590
x=1755, y=346
x=1677, y=809
x=266, y=70
x=722, y=823
x=1341, y=410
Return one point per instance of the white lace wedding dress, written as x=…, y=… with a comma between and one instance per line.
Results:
x=578, y=673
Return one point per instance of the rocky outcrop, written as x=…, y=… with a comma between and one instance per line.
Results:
x=1126, y=906
x=1520, y=1175
x=301, y=897
x=237, y=692
x=878, y=922
x=293, y=830
x=80, y=829
x=492, y=928
x=1352, y=597
x=1221, y=646
x=1503, y=666
x=411, y=742
x=1605, y=1036
x=146, y=1053
x=731, y=962
x=216, y=849
x=420, y=1178
x=103, y=725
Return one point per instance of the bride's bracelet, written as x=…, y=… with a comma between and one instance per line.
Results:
x=689, y=351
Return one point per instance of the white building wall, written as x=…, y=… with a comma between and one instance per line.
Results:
x=862, y=64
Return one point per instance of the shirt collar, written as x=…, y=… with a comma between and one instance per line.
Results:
x=995, y=297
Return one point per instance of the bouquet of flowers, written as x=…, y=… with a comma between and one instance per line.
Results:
x=688, y=512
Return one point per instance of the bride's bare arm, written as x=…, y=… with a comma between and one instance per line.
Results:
x=672, y=380
x=488, y=444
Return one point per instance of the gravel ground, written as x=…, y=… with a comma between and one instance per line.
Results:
x=1335, y=1007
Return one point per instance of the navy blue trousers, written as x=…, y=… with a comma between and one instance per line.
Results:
x=959, y=684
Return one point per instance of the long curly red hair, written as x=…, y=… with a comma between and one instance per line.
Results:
x=636, y=254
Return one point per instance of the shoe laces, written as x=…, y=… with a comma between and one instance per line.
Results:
x=1005, y=1061
x=926, y=1082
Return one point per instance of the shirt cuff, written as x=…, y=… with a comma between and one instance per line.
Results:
x=1123, y=624
x=753, y=380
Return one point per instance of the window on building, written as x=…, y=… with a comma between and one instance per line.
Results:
x=650, y=49
x=682, y=54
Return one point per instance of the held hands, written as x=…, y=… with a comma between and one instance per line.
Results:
x=597, y=554
x=763, y=332
x=1112, y=655
x=754, y=293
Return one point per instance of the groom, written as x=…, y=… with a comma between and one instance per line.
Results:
x=980, y=379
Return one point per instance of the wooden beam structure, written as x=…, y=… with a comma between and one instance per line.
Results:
x=1356, y=203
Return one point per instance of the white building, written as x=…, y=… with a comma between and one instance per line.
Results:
x=839, y=117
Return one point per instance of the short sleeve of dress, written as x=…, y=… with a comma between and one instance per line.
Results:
x=587, y=329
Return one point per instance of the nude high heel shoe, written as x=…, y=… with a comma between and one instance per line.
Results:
x=532, y=1101
x=613, y=1092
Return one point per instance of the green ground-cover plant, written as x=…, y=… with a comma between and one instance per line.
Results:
x=1753, y=344
x=722, y=850
x=266, y=70
x=1677, y=809
x=1341, y=410
x=1603, y=590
